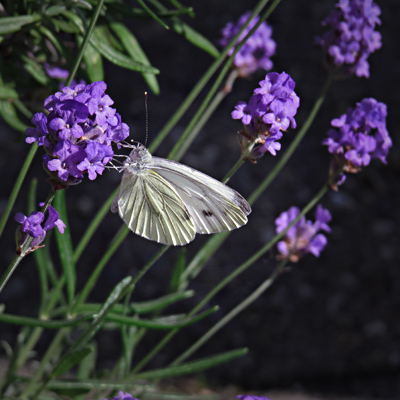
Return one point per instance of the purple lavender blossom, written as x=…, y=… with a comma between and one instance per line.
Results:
x=303, y=236
x=270, y=111
x=32, y=226
x=123, y=396
x=250, y=397
x=352, y=37
x=77, y=132
x=360, y=136
x=258, y=49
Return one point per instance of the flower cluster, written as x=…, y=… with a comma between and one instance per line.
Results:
x=352, y=37
x=32, y=226
x=250, y=397
x=122, y=396
x=303, y=236
x=77, y=132
x=258, y=49
x=361, y=135
x=270, y=111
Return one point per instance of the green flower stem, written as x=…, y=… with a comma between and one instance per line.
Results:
x=296, y=141
x=156, y=349
x=202, y=82
x=232, y=314
x=85, y=42
x=17, y=187
x=193, y=129
x=219, y=79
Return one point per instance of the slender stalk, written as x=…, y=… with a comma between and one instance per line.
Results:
x=232, y=314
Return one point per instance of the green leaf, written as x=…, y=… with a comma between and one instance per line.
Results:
x=167, y=322
x=189, y=33
x=196, y=38
x=133, y=48
x=144, y=307
x=191, y=367
x=87, y=365
x=35, y=69
x=65, y=26
x=71, y=360
x=93, y=62
x=7, y=93
x=178, y=270
x=160, y=303
x=64, y=243
x=7, y=111
x=14, y=24
x=117, y=57
x=55, y=10
x=53, y=39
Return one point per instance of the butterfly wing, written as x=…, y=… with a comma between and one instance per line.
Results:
x=152, y=208
x=213, y=206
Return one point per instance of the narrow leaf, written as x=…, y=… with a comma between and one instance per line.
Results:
x=178, y=270
x=71, y=360
x=55, y=10
x=14, y=24
x=7, y=111
x=93, y=61
x=133, y=48
x=196, y=38
x=191, y=367
x=117, y=57
x=35, y=69
x=7, y=93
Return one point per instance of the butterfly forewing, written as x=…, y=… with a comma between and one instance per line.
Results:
x=152, y=208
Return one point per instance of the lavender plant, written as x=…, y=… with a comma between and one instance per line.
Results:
x=81, y=134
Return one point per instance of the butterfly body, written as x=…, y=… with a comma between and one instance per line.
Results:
x=169, y=202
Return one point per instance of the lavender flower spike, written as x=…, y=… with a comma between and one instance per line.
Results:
x=303, y=236
x=352, y=37
x=359, y=136
x=78, y=132
x=256, y=53
x=251, y=397
x=269, y=113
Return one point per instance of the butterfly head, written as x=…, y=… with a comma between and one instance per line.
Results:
x=138, y=157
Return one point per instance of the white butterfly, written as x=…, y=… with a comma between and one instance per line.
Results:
x=169, y=202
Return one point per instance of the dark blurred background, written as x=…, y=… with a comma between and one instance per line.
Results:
x=330, y=325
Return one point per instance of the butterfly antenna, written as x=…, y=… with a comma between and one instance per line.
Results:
x=147, y=118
